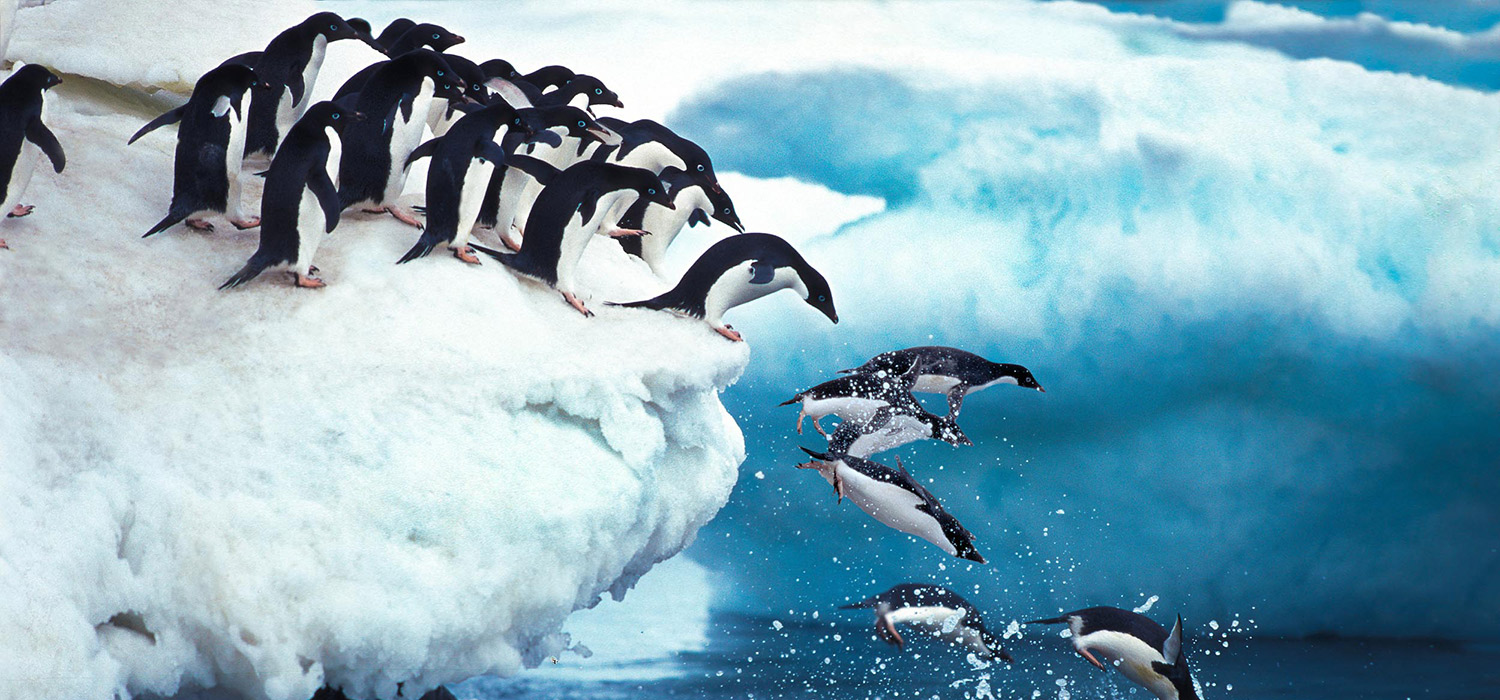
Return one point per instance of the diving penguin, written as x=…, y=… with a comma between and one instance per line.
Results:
x=1143, y=651
x=944, y=370
x=935, y=610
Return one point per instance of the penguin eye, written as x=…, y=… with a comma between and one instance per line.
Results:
x=335, y=116
x=333, y=27
x=822, y=298
x=598, y=91
x=434, y=36
x=580, y=124
x=651, y=190
x=700, y=167
x=440, y=74
x=726, y=211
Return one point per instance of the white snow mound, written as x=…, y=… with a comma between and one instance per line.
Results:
x=412, y=476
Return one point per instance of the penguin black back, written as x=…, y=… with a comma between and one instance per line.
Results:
x=768, y=252
x=20, y=121
x=366, y=159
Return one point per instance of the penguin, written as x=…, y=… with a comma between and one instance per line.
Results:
x=935, y=610
x=210, y=146
x=508, y=185
x=695, y=205
x=462, y=161
x=667, y=147
x=854, y=397
x=740, y=269
x=548, y=77
x=393, y=31
x=957, y=373
x=395, y=99
x=290, y=64
x=428, y=36
x=443, y=114
x=300, y=204
x=894, y=498
x=901, y=422
x=566, y=216
x=24, y=136
x=1144, y=651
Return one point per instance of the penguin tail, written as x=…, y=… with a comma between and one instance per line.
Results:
x=791, y=401
x=973, y=555
x=250, y=271
x=820, y=456
x=1005, y=656
x=1048, y=621
x=656, y=303
x=420, y=250
x=173, y=218
x=865, y=604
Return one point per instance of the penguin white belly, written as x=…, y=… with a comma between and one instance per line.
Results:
x=286, y=115
x=664, y=224
x=437, y=116
x=335, y=152
x=845, y=407
x=513, y=187
x=944, y=623
x=1003, y=380
x=1132, y=657
x=734, y=288
x=20, y=176
x=471, y=199
x=560, y=157
x=616, y=212
x=311, y=225
x=576, y=238
x=899, y=431
x=233, y=159
x=309, y=78
x=892, y=505
x=406, y=135
x=652, y=156
x=934, y=384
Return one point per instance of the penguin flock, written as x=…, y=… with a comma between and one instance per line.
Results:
x=525, y=159
x=521, y=157
x=877, y=411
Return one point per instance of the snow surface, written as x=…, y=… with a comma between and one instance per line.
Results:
x=412, y=476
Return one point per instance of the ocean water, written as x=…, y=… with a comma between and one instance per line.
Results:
x=837, y=656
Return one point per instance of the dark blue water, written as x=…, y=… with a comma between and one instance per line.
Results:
x=836, y=656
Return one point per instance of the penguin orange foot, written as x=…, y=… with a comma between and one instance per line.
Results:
x=200, y=225
x=20, y=211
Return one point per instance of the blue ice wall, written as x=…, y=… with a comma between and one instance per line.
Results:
x=1261, y=297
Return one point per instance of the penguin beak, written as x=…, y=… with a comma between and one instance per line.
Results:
x=599, y=134
x=358, y=116
x=619, y=104
x=457, y=40
x=1039, y=388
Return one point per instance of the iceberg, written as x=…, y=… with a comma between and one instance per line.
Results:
x=409, y=478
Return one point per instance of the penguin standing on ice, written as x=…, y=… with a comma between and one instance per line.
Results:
x=566, y=217
x=210, y=147
x=300, y=204
x=1144, y=651
x=695, y=203
x=936, y=611
x=852, y=398
x=462, y=161
x=737, y=270
x=396, y=99
x=290, y=64
x=894, y=498
x=944, y=370
x=24, y=137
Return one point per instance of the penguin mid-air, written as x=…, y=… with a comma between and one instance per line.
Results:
x=566, y=217
x=24, y=137
x=395, y=99
x=1144, y=651
x=855, y=397
x=290, y=64
x=935, y=610
x=300, y=204
x=737, y=270
x=695, y=204
x=210, y=147
x=459, y=174
x=899, y=423
x=944, y=370
x=893, y=497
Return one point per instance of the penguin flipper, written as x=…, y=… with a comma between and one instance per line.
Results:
x=170, y=117
x=762, y=272
x=39, y=134
x=698, y=217
x=297, y=87
x=539, y=170
x=1048, y=621
x=423, y=151
x=322, y=187
x=491, y=151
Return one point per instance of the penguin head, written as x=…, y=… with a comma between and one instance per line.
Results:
x=578, y=123
x=433, y=36
x=1024, y=378
x=594, y=88
x=235, y=79
x=526, y=121
x=33, y=77
x=819, y=296
x=366, y=32
x=499, y=68
x=1175, y=669
x=724, y=209
x=334, y=28
x=327, y=115
x=653, y=190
